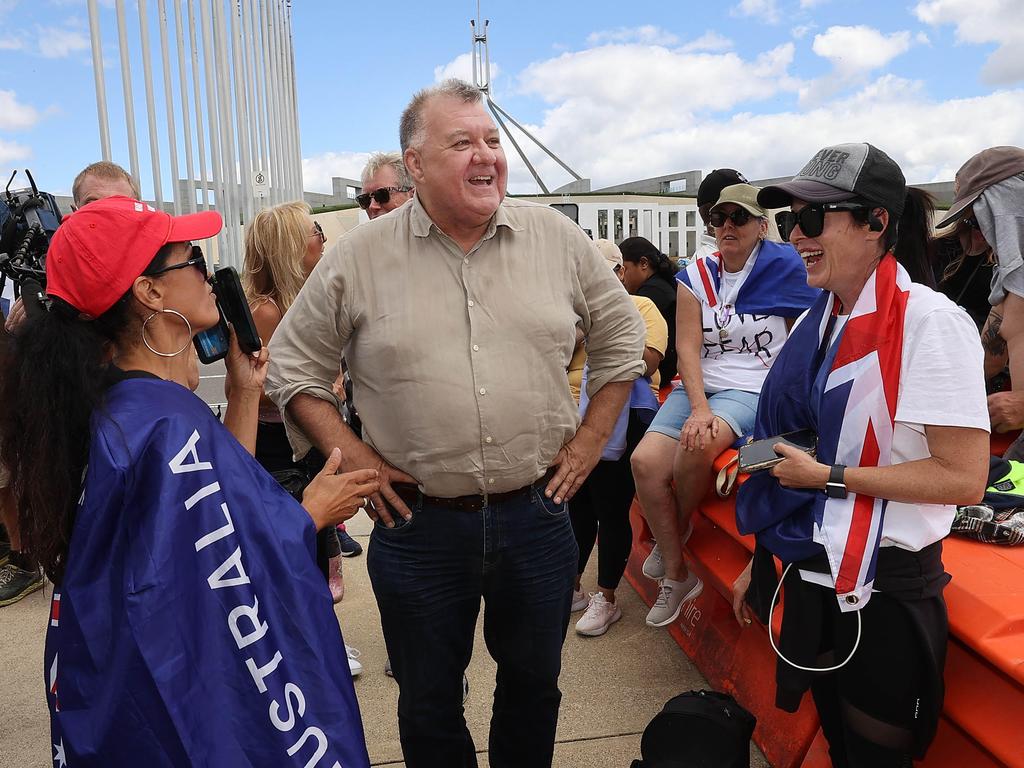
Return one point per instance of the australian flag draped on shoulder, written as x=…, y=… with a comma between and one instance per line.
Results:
x=846, y=390
x=192, y=627
x=776, y=285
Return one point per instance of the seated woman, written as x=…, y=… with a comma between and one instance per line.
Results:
x=733, y=314
x=888, y=374
x=189, y=623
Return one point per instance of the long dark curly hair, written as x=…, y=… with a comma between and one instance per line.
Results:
x=54, y=373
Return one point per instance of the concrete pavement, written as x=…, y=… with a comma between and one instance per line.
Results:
x=612, y=685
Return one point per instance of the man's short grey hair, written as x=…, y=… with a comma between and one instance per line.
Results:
x=380, y=160
x=410, y=131
x=104, y=170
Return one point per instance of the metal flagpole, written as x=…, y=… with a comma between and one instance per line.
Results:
x=172, y=133
x=97, y=71
x=254, y=67
x=227, y=144
x=211, y=110
x=186, y=116
x=273, y=108
x=129, y=103
x=200, y=133
x=241, y=115
x=147, y=82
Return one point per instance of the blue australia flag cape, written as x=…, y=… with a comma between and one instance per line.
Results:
x=192, y=627
x=777, y=284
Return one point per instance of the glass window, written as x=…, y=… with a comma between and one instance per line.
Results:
x=691, y=218
x=673, y=244
x=618, y=226
x=633, y=231
x=691, y=243
x=602, y=223
x=673, y=218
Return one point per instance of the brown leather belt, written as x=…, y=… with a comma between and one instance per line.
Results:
x=411, y=495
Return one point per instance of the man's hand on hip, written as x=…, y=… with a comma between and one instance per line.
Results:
x=362, y=456
x=574, y=463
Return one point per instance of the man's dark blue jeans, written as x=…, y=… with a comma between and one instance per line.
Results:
x=429, y=575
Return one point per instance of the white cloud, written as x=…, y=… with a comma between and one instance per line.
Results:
x=709, y=41
x=462, y=68
x=11, y=152
x=859, y=49
x=645, y=35
x=800, y=31
x=11, y=44
x=59, y=43
x=14, y=115
x=811, y=3
x=984, y=21
x=318, y=170
x=765, y=10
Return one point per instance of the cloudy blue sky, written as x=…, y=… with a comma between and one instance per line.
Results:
x=621, y=89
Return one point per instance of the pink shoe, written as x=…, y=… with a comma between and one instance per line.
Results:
x=335, y=580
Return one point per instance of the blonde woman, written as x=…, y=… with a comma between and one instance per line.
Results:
x=282, y=246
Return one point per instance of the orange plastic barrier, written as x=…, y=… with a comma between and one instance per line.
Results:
x=984, y=705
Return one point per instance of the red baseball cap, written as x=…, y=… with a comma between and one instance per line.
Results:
x=98, y=251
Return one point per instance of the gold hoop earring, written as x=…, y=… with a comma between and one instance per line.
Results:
x=150, y=346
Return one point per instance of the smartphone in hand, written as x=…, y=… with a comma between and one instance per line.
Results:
x=760, y=454
x=232, y=301
x=213, y=343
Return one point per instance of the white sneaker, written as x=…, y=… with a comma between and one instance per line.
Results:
x=671, y=596
x=353, y=661
x=599, y=616
x=654, y=567
x=579, y=601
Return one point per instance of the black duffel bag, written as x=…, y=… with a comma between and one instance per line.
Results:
x=698, y=729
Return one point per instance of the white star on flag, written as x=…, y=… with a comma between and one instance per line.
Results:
x=58, y=754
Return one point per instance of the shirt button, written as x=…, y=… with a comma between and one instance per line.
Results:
x=476, y=347
x=488, y=439
x=483, y=391
x=471, y=303
x=491, y=481
x=465, y=261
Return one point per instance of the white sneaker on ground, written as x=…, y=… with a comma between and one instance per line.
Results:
x=579, y=600
x=671, y=596
x=599, y=616
x=353, y=661
x=654, y=567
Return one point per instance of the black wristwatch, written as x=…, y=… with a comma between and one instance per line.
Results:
x=835, y=487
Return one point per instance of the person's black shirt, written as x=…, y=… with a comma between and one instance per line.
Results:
x=663, y=294
x=969, y=284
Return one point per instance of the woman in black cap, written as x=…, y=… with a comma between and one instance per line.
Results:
x=888, y=375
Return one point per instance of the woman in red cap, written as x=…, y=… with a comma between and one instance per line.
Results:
x=189, y=622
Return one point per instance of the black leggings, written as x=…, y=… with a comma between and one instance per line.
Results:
x=868, y=707
x=602, y=503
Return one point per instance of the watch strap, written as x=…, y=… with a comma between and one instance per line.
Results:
x=836, y=485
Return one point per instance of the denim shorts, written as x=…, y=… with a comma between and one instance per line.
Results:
x=733, y=406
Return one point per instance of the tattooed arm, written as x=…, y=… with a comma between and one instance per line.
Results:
x=993, y=342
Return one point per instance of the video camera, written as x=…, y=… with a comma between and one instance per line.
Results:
x=28, y=219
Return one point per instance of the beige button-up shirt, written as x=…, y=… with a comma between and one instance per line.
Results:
x=458, y=361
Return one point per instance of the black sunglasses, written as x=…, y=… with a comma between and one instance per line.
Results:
x=811, y=218
x=971, y=222
x=382, y=196
x=318, y=231
x=198, y=261
x=739, y=217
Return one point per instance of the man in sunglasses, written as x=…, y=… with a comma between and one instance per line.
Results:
x=989, y=211
x=457, y=315
x=386, y=184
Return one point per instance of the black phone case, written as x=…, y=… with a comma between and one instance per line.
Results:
x=231, y=297
x=747, y=466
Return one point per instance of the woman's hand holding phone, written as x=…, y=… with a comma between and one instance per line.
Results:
x=246, y=373
x=799, y=469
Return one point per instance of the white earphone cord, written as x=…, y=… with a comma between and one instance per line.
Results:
x=771, y=613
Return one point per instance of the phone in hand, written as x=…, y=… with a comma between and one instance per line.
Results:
x=760, y=454
x=235, y=307
x=213, y=343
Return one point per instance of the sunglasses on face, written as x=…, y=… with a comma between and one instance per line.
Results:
x=198, y=261
x=318, y=231
x=739, y=217
x=811, y=218
x=382, y=196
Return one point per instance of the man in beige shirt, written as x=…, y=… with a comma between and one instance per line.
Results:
x=457, y=316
